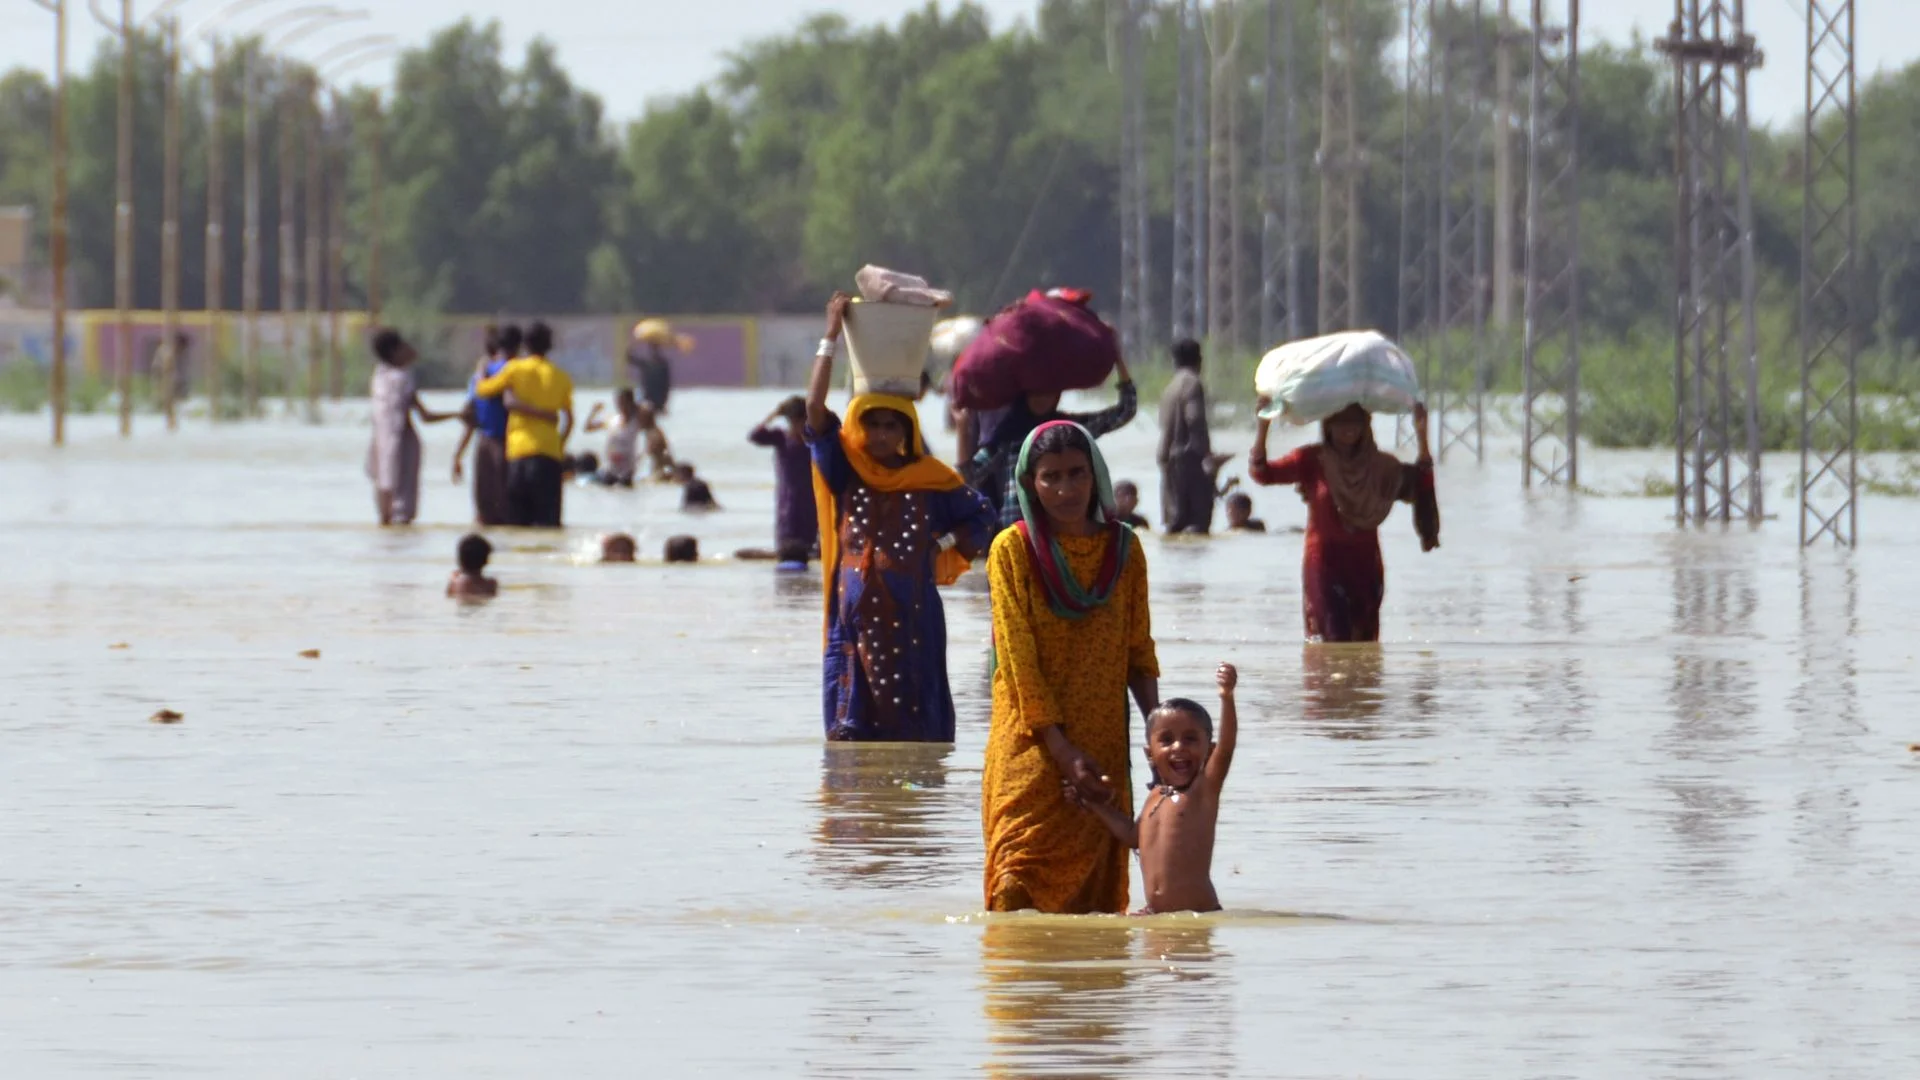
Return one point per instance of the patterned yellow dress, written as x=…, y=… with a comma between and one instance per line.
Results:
x=1043, y=852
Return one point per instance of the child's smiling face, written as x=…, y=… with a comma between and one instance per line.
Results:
x=1177, y=746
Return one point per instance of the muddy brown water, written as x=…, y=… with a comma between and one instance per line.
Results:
x=1612, y=800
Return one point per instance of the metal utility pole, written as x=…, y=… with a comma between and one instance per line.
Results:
x=1223, y=299
x=376, y=225
x=1419, y=213
x=1340, y=167
x=1462, y=311
x=1201, y=71
x=1830, y=283
x=57, y=226
x=316, y=237
x=123, y=212
x=1503, y=206
x=216, y=285
x=1290, y=177
x=250, y=236
x=170, y=232
x=1716, y=364
x=1134, y=277
x=1273, y=225
x=1551, y=354
x=336, y=247
x=1182, y=299
x=288, y=167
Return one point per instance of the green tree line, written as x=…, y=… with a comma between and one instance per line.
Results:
x=983, y=156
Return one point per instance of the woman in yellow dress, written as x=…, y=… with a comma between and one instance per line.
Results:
x=1071, y=638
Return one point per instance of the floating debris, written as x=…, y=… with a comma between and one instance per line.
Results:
x=119, y=645
x=166, y=716
x=309, y=654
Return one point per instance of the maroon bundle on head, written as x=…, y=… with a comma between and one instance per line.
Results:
x=1040, y=345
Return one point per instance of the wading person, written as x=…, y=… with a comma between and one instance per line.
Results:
x=1350, y=486
x=1187, y=470
x=796, y=525
x=486, y=420
x=993, y=468
x=393, y=461
x=895, y=523
x=1072, y=639
x=539, y=397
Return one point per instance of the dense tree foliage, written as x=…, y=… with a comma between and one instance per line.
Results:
x=983, y=156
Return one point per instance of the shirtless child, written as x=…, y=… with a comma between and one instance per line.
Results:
x=1175, y=830
x=470, y=582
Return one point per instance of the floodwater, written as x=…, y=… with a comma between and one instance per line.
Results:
x=1613, y=800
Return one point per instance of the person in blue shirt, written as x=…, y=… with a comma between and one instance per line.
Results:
x=487, y=418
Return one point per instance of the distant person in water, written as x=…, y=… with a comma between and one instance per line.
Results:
x=624, y=433
x=486, y=420
x=1350, y=486
x=538, y=396
x=1240, y=514
x=682, y=549
x=1186, y=446
x=470, y=581
x=1126, y=503
x=796, y=521
x=393, y=461
x=618, y=548
x=695, y=495
x=895, y=523
x=650, y=368
x=1175, y=832
x=992, y=467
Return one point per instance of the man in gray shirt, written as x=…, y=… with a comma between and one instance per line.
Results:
x=1186, y=448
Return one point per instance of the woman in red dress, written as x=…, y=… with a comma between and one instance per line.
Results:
x=1350, y=486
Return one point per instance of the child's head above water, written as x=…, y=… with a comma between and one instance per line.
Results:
x=1179, y=738
x=683, y=549
x=1239, y=508
x=1126, y=497
x=474, y=551
x=617, y=547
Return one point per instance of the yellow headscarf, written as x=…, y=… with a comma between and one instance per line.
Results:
x=923, y=473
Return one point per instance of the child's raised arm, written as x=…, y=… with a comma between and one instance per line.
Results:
x=1223, y=741
x=1123, y=828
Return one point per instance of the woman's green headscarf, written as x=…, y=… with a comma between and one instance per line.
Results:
x=1065, y=595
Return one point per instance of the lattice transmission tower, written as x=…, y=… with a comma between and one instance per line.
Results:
x=1830, y=283
x=1717, y=475
x=1419, y=212
x=1340, y=161
x=1279, y=182
x=1550, y=357
x=1190, y=152
x=1461, y=326
x=1135, y=278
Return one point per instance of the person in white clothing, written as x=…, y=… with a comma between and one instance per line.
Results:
x=631, y=422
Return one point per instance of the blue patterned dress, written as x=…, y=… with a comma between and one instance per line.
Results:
x=886, y=652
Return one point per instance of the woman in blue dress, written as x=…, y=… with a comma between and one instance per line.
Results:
x=896, y=524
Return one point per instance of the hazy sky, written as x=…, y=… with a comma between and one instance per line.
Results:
x=628, y=51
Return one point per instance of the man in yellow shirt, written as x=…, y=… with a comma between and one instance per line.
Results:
x=539, y=393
